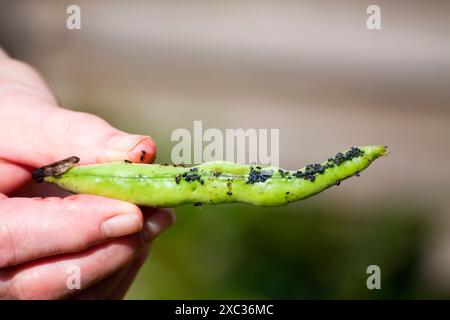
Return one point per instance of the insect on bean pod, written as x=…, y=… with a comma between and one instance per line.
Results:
x=215, y=182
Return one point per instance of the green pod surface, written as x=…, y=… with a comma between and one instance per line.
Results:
x=208, y=183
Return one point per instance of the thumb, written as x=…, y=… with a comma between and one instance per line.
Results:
x=42, y=135
x=35, y=132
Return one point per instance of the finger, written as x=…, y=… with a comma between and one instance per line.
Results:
x=14, y=176
x=115, y=287
x=37, y=137
x=36, y=132
x=66, y=275
x=21, y=85
x=102, y=289
x=69, y=224
x=125, y=282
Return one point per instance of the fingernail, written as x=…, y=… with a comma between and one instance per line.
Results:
x=144, y=151
x=138, y=148
x=121, y=225
x=124, y=142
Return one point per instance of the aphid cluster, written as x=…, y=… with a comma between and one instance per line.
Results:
x=258, y=175
x=349, y=155
x=191, y=175
x=283, y=173
x=311, y=170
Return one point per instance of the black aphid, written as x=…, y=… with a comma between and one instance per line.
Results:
x=143, y=153
x=258, y=175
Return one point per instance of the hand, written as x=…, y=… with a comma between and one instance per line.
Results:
x=42, y=239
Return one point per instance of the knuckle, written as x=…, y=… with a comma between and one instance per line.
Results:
x=81, y=124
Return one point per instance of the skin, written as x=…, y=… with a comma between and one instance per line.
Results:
x=107, y=238
x=209, y=183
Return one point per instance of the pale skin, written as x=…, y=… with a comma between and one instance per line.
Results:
x=40, y=238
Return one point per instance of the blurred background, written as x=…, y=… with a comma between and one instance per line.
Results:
x=309, y=68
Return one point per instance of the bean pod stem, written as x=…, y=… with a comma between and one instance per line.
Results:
x=215, y=182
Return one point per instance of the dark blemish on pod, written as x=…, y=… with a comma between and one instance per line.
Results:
x=229, y=187
x=358, y=174
x=127, y=161
x=177, y=165
x=283, y=173
x=198, y=204
x=286, y=196
x=337, y=183
x=177, y=179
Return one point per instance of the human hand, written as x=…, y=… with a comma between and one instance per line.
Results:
x=42, y=239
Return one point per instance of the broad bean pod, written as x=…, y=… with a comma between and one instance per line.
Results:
x=215, y=182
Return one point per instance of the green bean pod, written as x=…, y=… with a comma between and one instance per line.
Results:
x=159, y=185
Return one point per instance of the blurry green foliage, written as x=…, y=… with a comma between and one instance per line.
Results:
x=305, y=250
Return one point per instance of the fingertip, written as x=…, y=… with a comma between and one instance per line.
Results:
x=135, y=148
x=121, y=225
x=144, y=151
